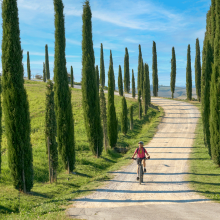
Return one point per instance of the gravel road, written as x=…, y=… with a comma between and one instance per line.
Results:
x=165, y=193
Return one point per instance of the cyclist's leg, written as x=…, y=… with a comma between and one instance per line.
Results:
x=144, y=166
x=137, y=173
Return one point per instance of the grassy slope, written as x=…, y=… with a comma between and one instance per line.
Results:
x=204, y=175
x=49, y=201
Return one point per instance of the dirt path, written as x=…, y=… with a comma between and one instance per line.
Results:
x=165, y=193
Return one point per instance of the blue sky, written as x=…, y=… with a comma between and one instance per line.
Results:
x=117, y=24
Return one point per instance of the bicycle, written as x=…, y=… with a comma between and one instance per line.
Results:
x=140, y=168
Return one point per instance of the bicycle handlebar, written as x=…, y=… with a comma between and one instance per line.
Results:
x=141, y=158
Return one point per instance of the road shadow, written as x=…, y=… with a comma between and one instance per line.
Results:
x=137, y=191
x=168, y=174
x=171, y=147
x=141, y=201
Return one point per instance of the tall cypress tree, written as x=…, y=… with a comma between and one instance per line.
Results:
x=214, y=119
x=126, y=72
x=124, y=116
x=51, y=129
x=212, y=23
x=47, y=62
x=139, y=104
x=198, y=70
x=28, y=66
x=102, y=68
x=188, y=75
x=146, y=88
x=44, y=73
x=90, y=93
x=139, y=68
x=173, y=72
x=155, y=71
x=205, y=98
x=120, y=84
x=148, y=85
x=131, y=118
x=142, y=78
x=15, y=102
x=62, y=94
x=0, y=123
x=104, y=117
x=133, y=84
x=111, y=114
x=97, y=76
x=71, y=77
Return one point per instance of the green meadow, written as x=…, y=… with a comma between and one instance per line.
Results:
x=204, y=175
x=49, y=201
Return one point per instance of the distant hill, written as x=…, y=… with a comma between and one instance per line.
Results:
x=164, y=91
x=180, y=92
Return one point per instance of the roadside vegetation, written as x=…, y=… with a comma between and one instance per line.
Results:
x=204, y=176
x=49, y=201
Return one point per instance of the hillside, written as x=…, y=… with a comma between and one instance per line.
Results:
x=48, y=201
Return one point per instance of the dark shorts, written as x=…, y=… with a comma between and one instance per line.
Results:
x=140, y=158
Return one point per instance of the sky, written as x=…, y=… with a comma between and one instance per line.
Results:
x=117, y=24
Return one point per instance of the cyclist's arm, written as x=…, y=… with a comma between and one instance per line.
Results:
x=134, y=153
x=146, y=152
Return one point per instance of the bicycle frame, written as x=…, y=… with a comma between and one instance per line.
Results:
x=140, y=169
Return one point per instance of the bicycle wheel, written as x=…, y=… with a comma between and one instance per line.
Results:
x=140, y=173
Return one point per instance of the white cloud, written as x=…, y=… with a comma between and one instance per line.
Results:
x=75, y=42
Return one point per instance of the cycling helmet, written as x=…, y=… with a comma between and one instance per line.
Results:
x=141, y=142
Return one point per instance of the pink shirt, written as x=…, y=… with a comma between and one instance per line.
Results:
x=141, y=152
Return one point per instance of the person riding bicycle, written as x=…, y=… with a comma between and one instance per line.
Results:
x=141, y=151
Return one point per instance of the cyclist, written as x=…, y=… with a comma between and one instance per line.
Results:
x=141, y=151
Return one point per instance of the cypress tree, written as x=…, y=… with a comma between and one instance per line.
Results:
x=120, y=84
x=188, y=75
x=155, y=71
x=148, y=85
x=139, y=68
x=47, y=63
x=71, y=77
x=214, y=119
x=51, y=129
x=124, y=116
x=90, y=92
x=205, y=99
x=15, y=102
x=133, y=84
x=102, y=68
x=0, y=123
x=198, y=70
x=173, y=72
x=44, y=73
x=126, y=71
x=142, y=78
x=104, y=117
x=62, y=94
x=146, y=88
x=97, y=76
x=139, y=104
x=28, y=66
x=212, y=23
x=111, y=114
x=131, y=118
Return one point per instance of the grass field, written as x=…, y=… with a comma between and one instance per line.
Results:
x=204, y=175
x=49, y=201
